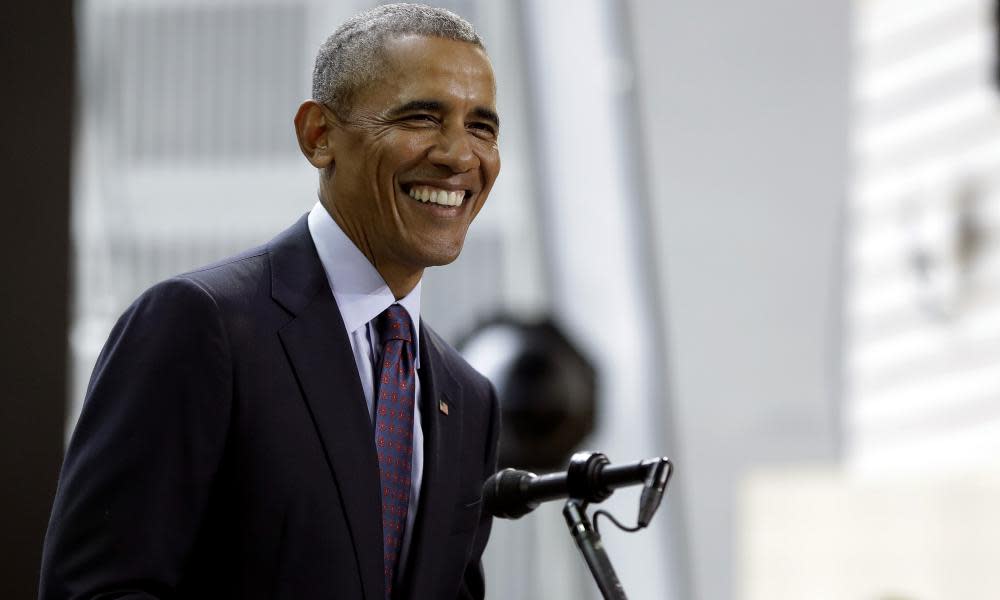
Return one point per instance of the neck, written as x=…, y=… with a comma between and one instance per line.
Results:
x=400, y=278
x=401, y=283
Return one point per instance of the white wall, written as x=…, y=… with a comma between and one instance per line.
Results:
x=745, y=116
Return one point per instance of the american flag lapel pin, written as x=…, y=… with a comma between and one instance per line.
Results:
x=443, y=407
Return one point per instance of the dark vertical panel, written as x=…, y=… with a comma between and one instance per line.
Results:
x=37, y=103
x=996, y=43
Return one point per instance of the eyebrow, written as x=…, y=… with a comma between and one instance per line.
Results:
x=434, y=106
x=415, y=105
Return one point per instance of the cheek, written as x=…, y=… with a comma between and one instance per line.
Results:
x=402, y=150
x=488, y=153
x=496, y=163
x=390, y=151
x=490, y=165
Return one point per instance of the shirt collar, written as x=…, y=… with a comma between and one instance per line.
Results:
x=359, y=290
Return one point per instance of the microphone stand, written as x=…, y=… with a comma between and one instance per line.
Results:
x=589, y=542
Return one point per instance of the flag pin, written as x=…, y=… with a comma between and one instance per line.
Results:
x=443, y=406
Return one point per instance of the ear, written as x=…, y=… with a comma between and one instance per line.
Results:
x=312, y=128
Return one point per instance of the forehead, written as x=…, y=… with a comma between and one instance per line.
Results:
x=421, y=67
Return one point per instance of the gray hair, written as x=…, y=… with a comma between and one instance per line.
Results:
x=350, y=57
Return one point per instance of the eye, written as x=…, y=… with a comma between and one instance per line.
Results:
x=483, y=129
x=421, y=118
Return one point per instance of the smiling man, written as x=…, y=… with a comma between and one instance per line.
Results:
x=410, y=159
x=283, y=424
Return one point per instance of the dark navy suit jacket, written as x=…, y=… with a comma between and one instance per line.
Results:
x=225, y=450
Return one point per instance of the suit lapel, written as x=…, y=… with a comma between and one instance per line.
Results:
x=321, y=357
x=442, y=442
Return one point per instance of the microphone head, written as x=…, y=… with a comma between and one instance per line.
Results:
x=652, y=492
x=504, y=494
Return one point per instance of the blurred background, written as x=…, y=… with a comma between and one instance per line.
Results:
x=772, y=228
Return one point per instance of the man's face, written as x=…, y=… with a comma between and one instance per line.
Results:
x=416, y=156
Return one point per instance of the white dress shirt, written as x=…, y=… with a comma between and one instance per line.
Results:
x=362, y=295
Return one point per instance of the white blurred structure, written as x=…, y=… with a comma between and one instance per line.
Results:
x=912, y=515
x=819, y=535
x=923, y=305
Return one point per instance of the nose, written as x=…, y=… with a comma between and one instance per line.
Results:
x=453, y=150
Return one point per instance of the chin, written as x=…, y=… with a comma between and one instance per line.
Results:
x=439, y=260
x=440, y=254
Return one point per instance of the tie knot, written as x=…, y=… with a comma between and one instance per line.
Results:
x=394, y=324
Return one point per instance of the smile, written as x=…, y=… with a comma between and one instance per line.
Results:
x=437, y=196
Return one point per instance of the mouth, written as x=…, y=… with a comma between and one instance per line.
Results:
x=429, y=194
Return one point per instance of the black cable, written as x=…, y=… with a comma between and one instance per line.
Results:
x=598, y=513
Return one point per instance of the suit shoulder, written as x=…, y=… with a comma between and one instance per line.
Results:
x=213, y=294
x=238, y=276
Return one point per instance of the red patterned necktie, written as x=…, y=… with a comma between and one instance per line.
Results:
x=394, y=429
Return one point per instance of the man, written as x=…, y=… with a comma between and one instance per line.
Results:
x=282, y=424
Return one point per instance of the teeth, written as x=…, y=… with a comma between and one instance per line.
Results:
x=442, y=197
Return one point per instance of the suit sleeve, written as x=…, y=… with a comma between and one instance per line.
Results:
x=139, y=471
x=473, y=581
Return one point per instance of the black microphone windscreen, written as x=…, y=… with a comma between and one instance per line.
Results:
x=503, y=494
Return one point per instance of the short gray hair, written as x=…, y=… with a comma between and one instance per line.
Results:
x=350, y=57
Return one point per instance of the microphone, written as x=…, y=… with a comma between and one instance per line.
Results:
x=511, y=494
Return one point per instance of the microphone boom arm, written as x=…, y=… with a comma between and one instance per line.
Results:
x=590, y=478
